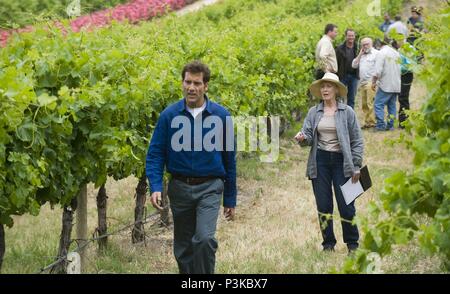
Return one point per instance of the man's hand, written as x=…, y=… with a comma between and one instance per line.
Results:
x=374, y=83
x=156, y=200
x=355, y=177
x=374, y=86
x=229, y=213
x=361, y=52
x=358, y=58
x=329, y=69
x=300, y=137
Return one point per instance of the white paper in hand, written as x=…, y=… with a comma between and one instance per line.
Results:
x=351, y=191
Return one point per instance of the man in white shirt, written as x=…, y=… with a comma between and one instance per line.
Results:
x=325, y=54
x=388, y=78
x=399, y=27
x=365, y=61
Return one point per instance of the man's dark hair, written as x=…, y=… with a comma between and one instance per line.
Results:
x=398, y=18
x=196, y=67
x=386, y=41
x=377, y=43
x=349, y=30
x=329, y=28
x=395, y=44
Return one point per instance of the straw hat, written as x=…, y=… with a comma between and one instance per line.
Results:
x=332, y=78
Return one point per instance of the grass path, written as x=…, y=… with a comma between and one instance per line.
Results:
x=197, y=5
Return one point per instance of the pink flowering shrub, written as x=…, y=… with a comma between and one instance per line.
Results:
x=133, y=12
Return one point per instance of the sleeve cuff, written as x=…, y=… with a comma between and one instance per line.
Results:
x=229, y=201
x=156, y=188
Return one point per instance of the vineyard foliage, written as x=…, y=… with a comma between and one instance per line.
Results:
x=78, y=107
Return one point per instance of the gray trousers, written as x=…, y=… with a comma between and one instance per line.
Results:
x=195, y=209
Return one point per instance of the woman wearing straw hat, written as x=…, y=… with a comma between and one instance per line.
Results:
x=332, y=130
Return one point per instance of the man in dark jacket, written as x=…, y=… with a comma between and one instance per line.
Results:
x=387, y=22
x=202, y=171
x=345, y=53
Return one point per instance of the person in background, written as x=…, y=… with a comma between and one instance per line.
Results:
x=407, y=78
x=387, y=22
x=325, y=55
x=397, y=27
x=387, y=78
x=415, y=24
x=365, y=62
x=348, y=75
x=332, y=130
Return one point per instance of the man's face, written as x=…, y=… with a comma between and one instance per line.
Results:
x=386, y=17
x=334, y=33
x=415, y=15
x=350, y=37
x=194, y=89
x=366, y=45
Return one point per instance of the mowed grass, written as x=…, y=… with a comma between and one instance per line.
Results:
x=276, y=229
x=32, y=243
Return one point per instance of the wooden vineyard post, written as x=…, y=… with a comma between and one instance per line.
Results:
x=81, y=217
x=102, y=200
x=138, y=234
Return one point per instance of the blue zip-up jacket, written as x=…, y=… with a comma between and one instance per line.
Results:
x=195, y=161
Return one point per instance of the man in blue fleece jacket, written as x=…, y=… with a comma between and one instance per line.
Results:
x=194, y=141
